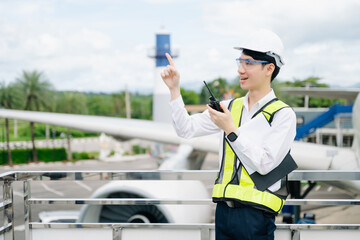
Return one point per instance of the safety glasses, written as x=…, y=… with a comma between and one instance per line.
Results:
x=247, y=63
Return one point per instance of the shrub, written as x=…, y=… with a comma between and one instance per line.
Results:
x=25, y=155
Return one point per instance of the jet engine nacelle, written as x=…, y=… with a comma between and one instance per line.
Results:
x=149, y=213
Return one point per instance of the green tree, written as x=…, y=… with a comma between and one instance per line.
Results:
x=141, y=106
x=100, y=104
x=119, y=104
x=189, y=96
x=9, y=98
x=37, y=92
x=72, y=102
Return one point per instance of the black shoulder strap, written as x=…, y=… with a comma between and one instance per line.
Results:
x=263, y=182
x=265, y=105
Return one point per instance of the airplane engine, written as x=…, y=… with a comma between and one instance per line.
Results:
x=173, y=213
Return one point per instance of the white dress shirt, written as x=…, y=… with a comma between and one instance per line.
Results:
x=260, y=147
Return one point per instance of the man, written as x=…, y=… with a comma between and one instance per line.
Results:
x=256, y=141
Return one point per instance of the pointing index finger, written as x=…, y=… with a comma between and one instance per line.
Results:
x=169, y=59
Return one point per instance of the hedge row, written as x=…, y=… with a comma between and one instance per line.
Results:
x=26, y=156
x=84, y=155
x=139, y=150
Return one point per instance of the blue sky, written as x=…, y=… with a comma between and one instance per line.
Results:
x=102, y=45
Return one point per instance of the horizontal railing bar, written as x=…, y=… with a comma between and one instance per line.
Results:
x=118, y=201
x=298, y=175
x=34, y=225
x=157, y=201
x=327, y=202
x=282, y=226
x=324, y=175
x=6, y=228
x=210, y=226
x=115, y=175
x=8, y=176
x=5, y=204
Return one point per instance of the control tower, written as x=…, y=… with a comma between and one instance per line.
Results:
x=161, y=94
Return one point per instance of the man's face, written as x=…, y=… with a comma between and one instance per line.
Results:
x=252, y=76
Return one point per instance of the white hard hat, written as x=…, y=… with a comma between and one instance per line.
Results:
x=267, y=42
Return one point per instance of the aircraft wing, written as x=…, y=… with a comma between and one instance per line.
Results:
x=117, y=127
x=344, y=93
x=307, y=155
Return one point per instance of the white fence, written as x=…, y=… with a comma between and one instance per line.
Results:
x=129, y=231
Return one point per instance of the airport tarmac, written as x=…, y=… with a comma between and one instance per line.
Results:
x=329, y=215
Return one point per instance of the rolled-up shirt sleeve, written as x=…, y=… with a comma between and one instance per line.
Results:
x=196, y=125
x=262, y=147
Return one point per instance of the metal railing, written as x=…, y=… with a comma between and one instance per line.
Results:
x=116, y=230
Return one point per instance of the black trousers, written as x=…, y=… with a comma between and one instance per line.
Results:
x=244, y=223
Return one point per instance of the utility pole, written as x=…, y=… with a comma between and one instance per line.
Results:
x=47, y=132
x=69, y=153
x=306, y=102
x=15, y=129
x=8, y=142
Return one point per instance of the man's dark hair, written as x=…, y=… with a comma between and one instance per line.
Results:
x=263, y=57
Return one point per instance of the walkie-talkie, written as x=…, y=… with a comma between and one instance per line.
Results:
x=213, y=103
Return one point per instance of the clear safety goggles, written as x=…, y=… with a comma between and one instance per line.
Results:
x=246, y=64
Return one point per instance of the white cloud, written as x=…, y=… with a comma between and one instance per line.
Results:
x=89, y=38
x=102, y=46
x=213, y=54
x=315, y=48
x=160, y=1
x=27, y=8
x=82, y=58
x=23, y=41
x=291, y=19
x=319, y=36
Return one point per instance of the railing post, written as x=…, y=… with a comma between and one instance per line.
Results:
x=295, y=191
x=205, y=233
x=8, y=209
x=295, y=234
x=27, y=209
x=117, y=231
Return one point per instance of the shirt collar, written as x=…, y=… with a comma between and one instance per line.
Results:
x=259, y=103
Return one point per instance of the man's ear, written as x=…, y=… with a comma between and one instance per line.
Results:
x=269, y=68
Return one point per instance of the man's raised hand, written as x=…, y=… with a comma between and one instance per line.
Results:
x=171, y=76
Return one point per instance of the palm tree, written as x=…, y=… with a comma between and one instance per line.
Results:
x=74, y=103
x=9, y=98
x=36, y=90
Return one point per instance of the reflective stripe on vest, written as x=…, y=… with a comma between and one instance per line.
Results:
x=234, y=183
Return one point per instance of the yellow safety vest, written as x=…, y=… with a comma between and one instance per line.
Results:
x=234, y=183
